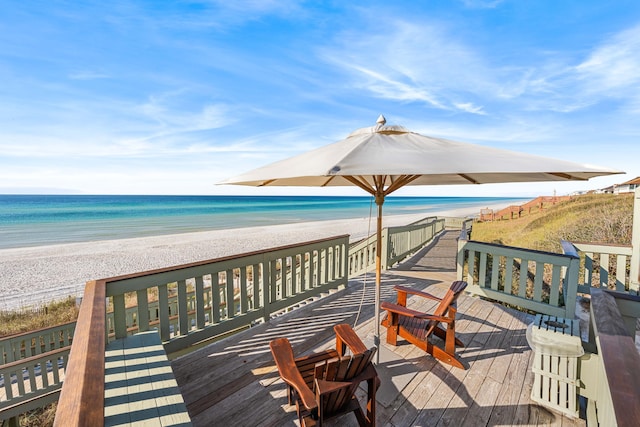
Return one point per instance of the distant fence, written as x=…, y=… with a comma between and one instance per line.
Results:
x=515, y=211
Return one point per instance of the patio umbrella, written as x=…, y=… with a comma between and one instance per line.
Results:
x=381, y=159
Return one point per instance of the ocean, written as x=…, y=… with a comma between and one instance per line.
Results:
x=34, y=220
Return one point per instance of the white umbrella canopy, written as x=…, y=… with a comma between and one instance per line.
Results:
x=396, y=153
x=382, y=159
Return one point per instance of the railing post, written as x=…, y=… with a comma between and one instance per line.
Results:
x=266, y=286
x=462, y=240
x=570, y=287
x=384, y=256
x=634, y=276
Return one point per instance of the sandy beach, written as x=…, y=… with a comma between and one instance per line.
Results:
x=32, y=276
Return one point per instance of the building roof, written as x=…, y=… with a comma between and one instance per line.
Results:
x=635, y=180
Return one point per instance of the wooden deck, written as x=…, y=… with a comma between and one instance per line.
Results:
x=234, y=382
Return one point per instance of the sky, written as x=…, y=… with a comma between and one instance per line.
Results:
x=172, y=97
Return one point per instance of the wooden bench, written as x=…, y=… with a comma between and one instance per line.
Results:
x=139, y=384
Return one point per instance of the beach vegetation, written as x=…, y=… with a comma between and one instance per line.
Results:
x=593, y=218
x=41, y=417
x=33, y=318
x=596, y=218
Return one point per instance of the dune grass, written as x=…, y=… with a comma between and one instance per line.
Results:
x=596, y=218
x=28, y=319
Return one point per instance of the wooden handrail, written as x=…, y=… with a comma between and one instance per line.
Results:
x=81, y=400
x=619, y=356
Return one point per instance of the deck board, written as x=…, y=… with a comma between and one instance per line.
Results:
x=234, y=381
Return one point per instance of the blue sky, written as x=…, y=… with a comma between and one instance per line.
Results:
x=151, y=97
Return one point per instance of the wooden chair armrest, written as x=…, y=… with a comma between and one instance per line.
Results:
x=368, y=373
x=283, y=356
x=412, y=291
x=346, y=336
x=325, y=387
x=404, y=311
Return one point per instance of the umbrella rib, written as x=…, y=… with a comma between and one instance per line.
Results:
x=267, y=182
x=468, y=178
x=567, y=176
x=360, y=182
x=401, y=182
x=328, y=181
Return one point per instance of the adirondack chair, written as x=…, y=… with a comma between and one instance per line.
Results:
x=322, y=385
x=417, y=327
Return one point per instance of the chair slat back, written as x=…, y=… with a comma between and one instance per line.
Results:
x=450, y=297
x=342, y=369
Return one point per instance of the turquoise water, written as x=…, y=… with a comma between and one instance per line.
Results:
x=32, y=220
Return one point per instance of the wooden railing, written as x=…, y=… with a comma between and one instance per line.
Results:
x=424, y=220
x=229, y=293
x=362, y=255
x=397, y=244
x=610, y=377
x=543, y=282
x=32, y=368
x=218, y=296
x=405, y=240
x=603, y=266
x=457, y=223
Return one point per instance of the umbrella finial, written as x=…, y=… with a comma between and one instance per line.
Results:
x=381, y=120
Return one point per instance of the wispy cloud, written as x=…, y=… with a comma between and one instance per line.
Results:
x=607, y=72
x=612, y=68
x=429, y=63
x=414, y=62
x=482, y=4
x=469, y=107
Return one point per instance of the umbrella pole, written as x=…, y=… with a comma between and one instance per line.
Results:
x=376, y=338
